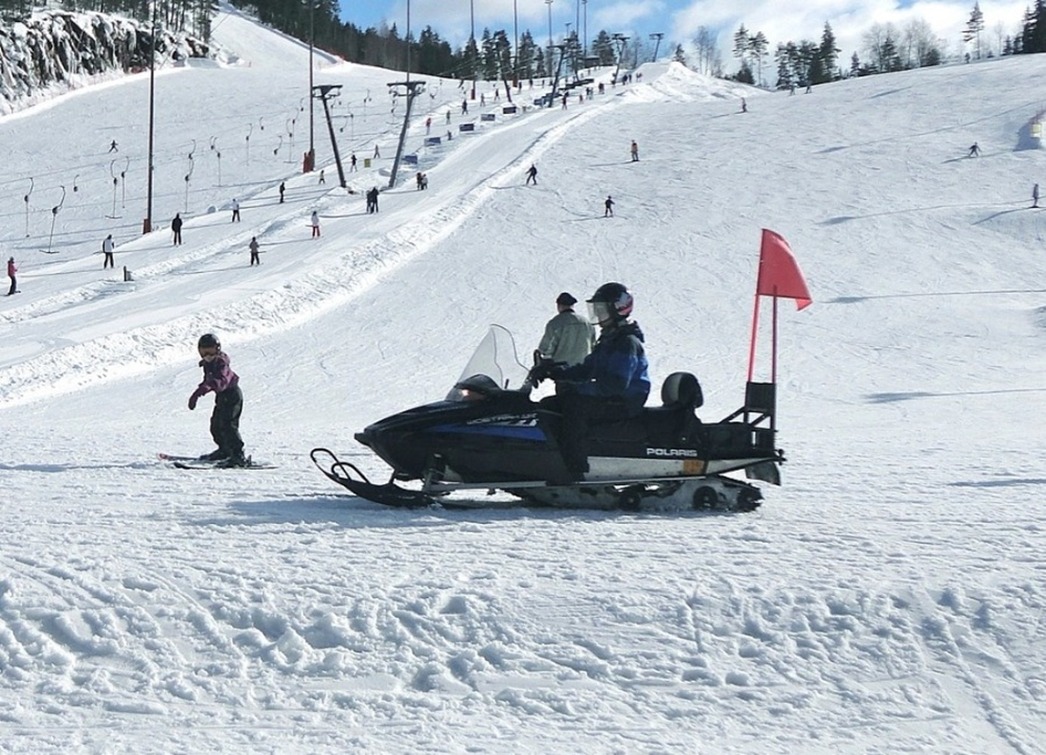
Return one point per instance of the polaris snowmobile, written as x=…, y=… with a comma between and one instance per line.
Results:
x=488, y=434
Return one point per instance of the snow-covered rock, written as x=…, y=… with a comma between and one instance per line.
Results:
x=56, y=51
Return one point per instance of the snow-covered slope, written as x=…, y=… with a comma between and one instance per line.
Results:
x=887, y=598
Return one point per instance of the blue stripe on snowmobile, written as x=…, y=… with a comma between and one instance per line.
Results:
x=502, y=431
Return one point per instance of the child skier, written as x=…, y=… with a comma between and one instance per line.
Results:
x=228, y=403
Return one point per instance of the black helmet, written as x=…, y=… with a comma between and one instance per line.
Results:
x=611, y=301
x=209, y=341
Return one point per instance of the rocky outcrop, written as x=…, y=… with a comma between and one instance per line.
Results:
x=55, y=51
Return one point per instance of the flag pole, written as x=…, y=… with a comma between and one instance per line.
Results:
x=773, y=343
x=755, y=327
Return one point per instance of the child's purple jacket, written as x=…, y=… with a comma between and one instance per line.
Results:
x=217, y=375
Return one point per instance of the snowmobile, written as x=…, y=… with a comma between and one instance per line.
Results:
x=489, y=434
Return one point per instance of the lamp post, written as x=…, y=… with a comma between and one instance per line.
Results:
x=311, y=160
x=549, y=4
x=472, y=42
x=147, y=226
x=515, y=49
x=585, y=3
x=566, y=38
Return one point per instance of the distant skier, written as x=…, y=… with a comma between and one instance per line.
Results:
x=635, y=151
x=253, y=246
x=107, y=250
x=465, y=106
x=352, y=163
x=975, y=151
x=323, y=181
x=176, y=227
x=744, y=105
x=283, y=188
x=235, y=211
x=418, y=179
x=218, y=378
x=608, y=207
x=372, y=200
x=428, y=125
x=12, y=270
x=1035, y=195
x=532, y=175
x=377, y=152
x=315, y=220
x=113, y=147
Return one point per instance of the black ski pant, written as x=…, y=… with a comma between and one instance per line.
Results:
x=579, y=412
x=14, y=286
x=225, y=421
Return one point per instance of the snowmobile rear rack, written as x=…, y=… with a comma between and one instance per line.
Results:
x=348, y=475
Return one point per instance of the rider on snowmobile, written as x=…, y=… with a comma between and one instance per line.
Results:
x=613, y=381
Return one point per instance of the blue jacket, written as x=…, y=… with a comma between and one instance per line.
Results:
x=616, y=368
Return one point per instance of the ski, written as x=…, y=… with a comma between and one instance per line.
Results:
x=176, y=457
x=195, y=462
x=213, y=465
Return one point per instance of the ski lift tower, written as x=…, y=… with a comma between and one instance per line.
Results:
x=413, y=89
x=555, y=76
x=658, y=35
x=323, y=92
x=622, y=41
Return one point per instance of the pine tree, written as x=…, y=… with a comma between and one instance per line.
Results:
x=603, y=48
x=741, y=45
x=784, y=69
x=525, y=56
x=757, y=46
x=827, y=53
x=1038, y=32
x=974, y=27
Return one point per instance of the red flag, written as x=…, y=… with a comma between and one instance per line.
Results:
x=779, y=275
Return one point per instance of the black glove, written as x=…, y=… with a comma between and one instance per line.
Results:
x=545, y=369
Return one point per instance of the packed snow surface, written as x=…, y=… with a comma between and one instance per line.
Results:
x=889, y=597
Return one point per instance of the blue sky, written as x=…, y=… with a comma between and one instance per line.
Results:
x=779, y=20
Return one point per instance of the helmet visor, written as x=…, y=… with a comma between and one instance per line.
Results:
x=600, y=312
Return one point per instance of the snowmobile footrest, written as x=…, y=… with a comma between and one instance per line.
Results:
x=349, y=476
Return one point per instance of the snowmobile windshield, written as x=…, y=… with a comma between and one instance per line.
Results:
x=493, y=367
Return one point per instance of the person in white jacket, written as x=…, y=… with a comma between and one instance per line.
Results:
x=568, y=336
x=107, y=250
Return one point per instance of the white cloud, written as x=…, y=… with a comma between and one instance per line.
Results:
x=793, y=20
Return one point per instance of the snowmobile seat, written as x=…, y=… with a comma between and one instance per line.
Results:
x=676, y=421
